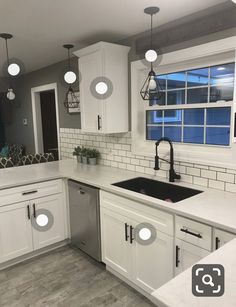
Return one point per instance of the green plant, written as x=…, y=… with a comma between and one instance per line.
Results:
x=77, y=151
x=93, y=153
x=84, y=152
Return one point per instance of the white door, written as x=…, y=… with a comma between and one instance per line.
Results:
x=116, y=247
x=90, y=67
x=187, y=255
x=47, y=220
x=152, y=262
x=15, y=231
x=222, y=237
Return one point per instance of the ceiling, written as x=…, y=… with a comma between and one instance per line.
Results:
x=41, y=27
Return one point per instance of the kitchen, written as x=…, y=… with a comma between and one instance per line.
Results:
x=98, y=210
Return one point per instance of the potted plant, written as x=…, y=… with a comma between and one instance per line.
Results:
x=93, y=155
x=84, y=154
x=77, y=153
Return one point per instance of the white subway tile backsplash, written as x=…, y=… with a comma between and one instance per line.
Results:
x=116, y=152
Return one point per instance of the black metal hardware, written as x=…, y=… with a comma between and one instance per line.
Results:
x=126, y=232
x=177, y=261
x=99, y=124
x=191, y=233
x=217, y=242
x=131, y=234
x=34, y=211
x=28, y=211
x=30, y=192
x=81, y=192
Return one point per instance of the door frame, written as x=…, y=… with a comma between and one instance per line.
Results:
x=36, y=112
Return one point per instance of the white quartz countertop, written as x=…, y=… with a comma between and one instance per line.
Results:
x=213, y=207
x=178, y=291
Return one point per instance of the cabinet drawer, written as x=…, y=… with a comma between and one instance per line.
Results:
x=160, y=220
x=193, y=232
x=31, y=191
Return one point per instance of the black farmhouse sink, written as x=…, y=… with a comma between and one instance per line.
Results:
x=161, y=190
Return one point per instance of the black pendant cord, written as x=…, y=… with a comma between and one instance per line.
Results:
x=8, y=63
x=69, y=58
x=151, y=29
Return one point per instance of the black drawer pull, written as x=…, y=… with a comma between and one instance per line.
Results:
x=131, y=234
x=191, y=233
x=126, y=232
x=177, y=261
x=99, y=123
x=30, y=192
x=217, y=242
x=28, y=212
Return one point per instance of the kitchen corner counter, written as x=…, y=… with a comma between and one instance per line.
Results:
x=217, y=208
x=178, y=291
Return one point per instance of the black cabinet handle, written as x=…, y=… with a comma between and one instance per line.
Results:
x=131, y=234
x=126, y=232
x=81, y=192
x=28, y=212
x=29, y=192
x=34, y=211
x=217, y=242
x=177, y=256
x=191, y=233
x=99, y=124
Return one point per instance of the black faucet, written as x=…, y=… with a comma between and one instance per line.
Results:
x=172, y=173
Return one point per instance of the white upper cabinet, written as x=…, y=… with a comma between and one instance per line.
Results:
x=98, y=64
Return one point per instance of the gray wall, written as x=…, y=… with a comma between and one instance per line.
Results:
x=208, y=25
x=16, y=132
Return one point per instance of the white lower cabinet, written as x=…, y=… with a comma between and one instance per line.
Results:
x=186, y=255
x=18, y=234
x=54, y=205
x=221, y=238
x=147, y=265
x=15, y=231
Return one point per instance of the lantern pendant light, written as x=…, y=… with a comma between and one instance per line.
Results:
x=70, y=76
x=151, y=89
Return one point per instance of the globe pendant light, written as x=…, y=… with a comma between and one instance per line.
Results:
x=70, y=76
x=12, y=68
x=151, y=88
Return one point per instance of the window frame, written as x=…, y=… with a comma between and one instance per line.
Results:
x=201, y=56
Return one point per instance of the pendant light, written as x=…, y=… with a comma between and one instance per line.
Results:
x=151, y=88
x=12, y=68
x=70, y=76
x=72, y=100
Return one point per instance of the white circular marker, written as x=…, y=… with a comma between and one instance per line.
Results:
x=101, y=88
x=10, y=94
x=145, y=234
x=70, y=77
x=151, y=55
x=42, y=220
x=13, y=69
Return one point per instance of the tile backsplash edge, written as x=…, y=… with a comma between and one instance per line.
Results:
x=116, y=152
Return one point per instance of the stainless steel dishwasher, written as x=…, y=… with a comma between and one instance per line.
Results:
x=85, y=218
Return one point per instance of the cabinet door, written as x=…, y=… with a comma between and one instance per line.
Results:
x=187, y=255
x=53, y=231
x=153, y=262
x=15, y=231
x=116, y=249
x=92, y=118
x=222, y=237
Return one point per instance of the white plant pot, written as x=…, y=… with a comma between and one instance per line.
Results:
x=79, y=159
x=84, y=160
x=92, y=161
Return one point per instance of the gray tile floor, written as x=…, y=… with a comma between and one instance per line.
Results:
x=65, y=278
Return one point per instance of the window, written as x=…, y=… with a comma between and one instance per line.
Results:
x=195, y=106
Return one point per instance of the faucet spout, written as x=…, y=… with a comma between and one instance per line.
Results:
x=172, y=173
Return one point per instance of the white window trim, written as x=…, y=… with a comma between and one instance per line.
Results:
x=210, y=54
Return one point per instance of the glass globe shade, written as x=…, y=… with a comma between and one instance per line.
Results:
x=10, y=94
x=13, y=69
x=101, y=88
x=151, y=55
x=70, y=77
